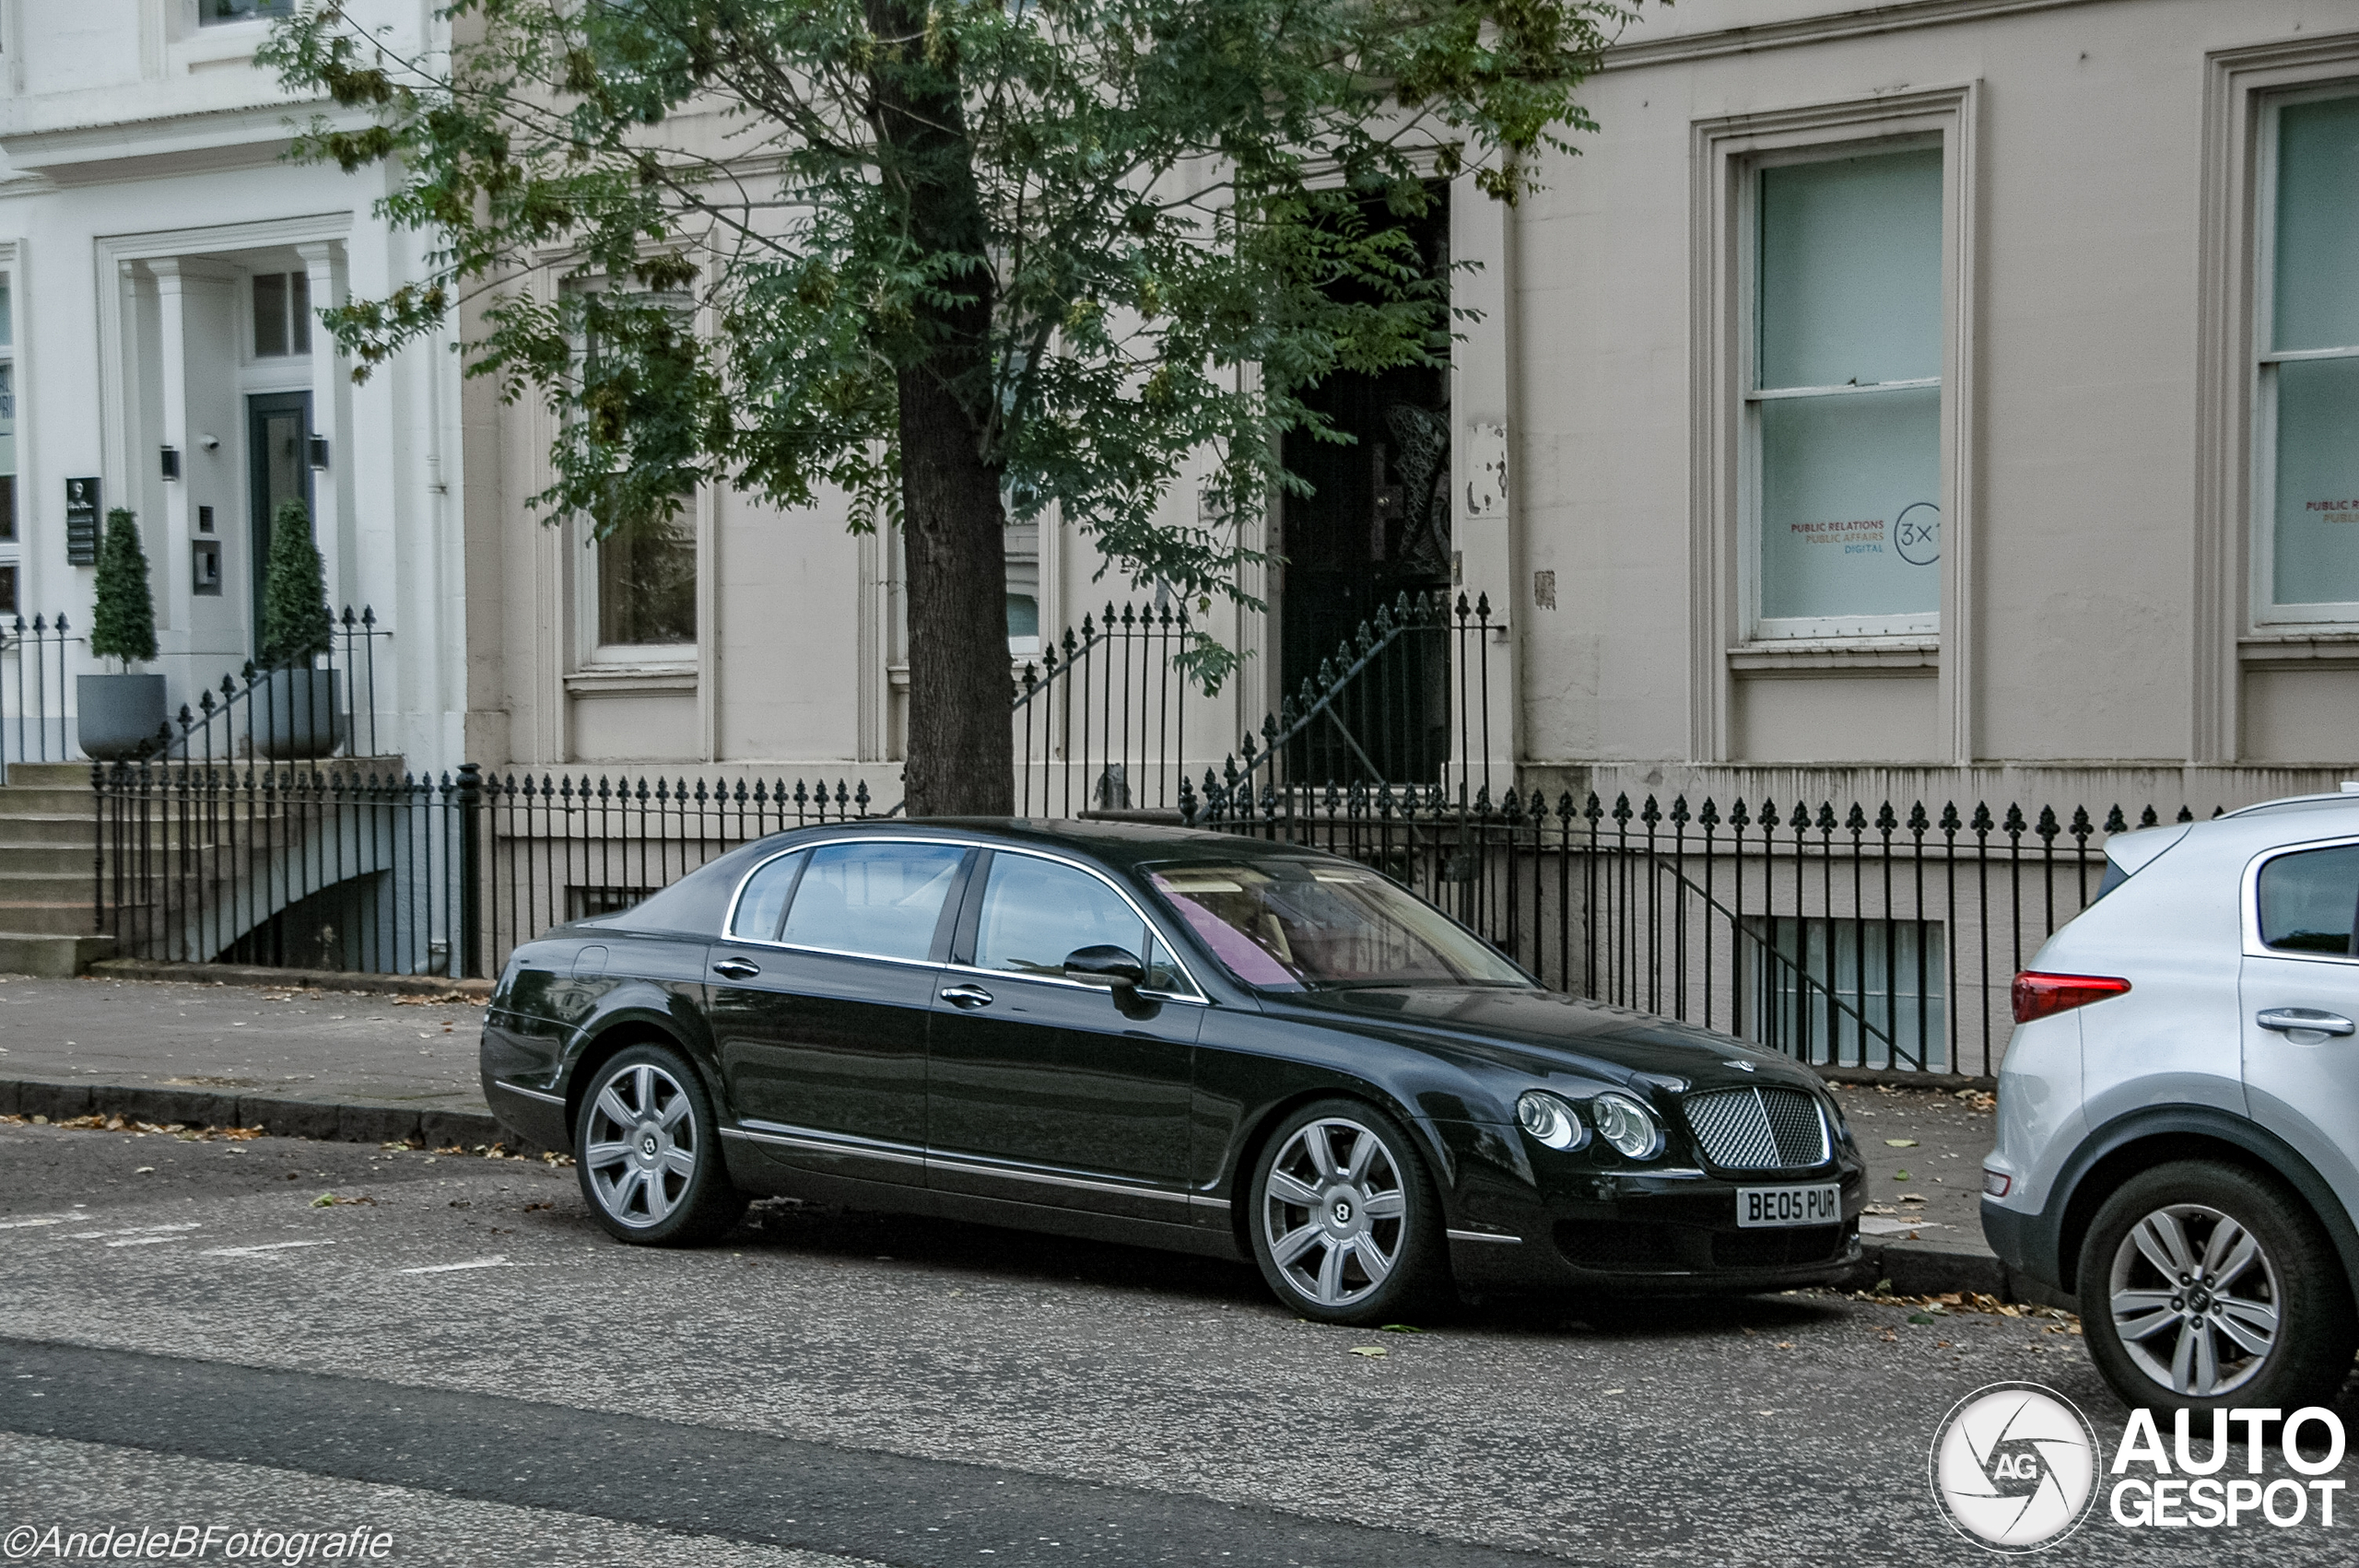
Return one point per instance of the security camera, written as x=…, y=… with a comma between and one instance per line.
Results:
x=210, y=444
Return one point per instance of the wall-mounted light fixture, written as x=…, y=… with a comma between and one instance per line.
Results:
x=171, y=462
x=319, y=452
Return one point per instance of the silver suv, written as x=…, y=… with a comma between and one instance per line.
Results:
x=2178, y=1111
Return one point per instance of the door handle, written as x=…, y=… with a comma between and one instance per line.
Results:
x=738, y=968
x=965, y=996
x=2304, y=1019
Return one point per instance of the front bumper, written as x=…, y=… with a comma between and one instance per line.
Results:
x=1631, y=1233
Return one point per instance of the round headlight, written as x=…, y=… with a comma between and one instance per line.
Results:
x=1626, y=1124
x=1550, y=1121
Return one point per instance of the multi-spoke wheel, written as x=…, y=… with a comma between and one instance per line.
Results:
x=1344, y=1221
x=2202, y=1284
x=643, y=1145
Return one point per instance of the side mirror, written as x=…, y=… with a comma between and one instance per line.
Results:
x=1116, y=967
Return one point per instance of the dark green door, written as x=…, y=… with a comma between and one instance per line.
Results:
x=278, y=431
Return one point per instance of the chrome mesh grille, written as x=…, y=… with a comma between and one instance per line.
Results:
x=1758, y=1130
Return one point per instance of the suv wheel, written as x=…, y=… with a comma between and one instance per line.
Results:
x=2204, y=1286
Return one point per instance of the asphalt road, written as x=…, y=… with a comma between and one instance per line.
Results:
x=453, y=1355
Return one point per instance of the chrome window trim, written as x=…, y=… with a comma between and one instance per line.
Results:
x=729, y=921
x=2249, y=914
x=1195, y=993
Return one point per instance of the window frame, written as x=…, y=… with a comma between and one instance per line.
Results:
x=2248, y=902
x=11, y=356
x=952, y=901
x=2260, y=382
x=979, y=878
x=593, y=653
x=1724, y=656
x=1758, y=628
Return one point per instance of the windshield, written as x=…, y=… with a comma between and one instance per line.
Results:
x=1319, y=925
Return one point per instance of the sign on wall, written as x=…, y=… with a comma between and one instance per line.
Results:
x=82, y=523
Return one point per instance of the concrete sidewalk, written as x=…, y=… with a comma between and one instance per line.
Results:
x=354, y=1067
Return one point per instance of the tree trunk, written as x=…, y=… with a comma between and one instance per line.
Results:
x=961, y=757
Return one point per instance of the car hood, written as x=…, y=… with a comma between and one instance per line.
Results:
x=1542, y=1033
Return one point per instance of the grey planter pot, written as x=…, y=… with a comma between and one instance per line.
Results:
x=298, y=714
x=119, y=714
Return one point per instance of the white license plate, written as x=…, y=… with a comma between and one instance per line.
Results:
x=1758, y=1206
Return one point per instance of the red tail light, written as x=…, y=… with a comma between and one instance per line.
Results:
x=2037, y=995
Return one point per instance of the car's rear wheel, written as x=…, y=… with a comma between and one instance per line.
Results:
x=645, y=1148
x=1345, y=1222
x=2205, y=1286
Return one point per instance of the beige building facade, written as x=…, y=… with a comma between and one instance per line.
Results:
x=1954, y=399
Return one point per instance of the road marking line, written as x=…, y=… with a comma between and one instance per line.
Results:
x=265, y=1246
x=134, y=1231
x=499, y=1261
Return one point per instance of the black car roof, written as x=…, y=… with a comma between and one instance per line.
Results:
x=698, y=901
x=1120, y=843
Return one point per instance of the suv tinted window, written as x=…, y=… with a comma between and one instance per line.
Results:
x=2308, y=900
x=880, y=900
x=1035, y=912
x=763, y=903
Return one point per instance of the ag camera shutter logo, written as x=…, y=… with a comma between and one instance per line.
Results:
x=2015, y=1467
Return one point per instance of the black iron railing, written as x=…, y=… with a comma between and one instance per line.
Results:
x=1858, y=938
x=317, y=706
x=1101, y=719
x=332, y=867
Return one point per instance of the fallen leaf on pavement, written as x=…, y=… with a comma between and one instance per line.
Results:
x=1900, y=1143
x=1370, y=1351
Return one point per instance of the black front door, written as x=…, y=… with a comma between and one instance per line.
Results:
x=1045, y=1091
x=821, y=1025
x=278, y=431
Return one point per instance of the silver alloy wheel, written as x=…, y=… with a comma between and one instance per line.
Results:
x=1333, y=1212
x=641, y=1148
x=2194, y=1300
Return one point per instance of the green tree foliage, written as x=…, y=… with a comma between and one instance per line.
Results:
x=295, y=620
x=950, y=258
x=123, y=622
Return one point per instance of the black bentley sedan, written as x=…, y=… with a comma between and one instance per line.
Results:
x=1172, y=1038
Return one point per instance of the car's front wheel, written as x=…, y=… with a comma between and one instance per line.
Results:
x=1345, y=1222
x=2203, y=1285
x=645, y=1147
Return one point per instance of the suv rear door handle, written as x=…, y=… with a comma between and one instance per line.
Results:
x=967, y=996
x=2286, y=1019
x=738, y=968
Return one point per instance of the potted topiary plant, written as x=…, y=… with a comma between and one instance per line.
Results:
x=121, y=714
x=300, y=714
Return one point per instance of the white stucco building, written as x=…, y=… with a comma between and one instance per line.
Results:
x=161, y=263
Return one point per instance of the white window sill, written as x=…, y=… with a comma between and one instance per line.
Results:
x=2316, y=650
x=619, y=678
x=1807, y=655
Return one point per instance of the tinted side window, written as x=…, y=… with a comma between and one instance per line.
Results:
x=882, y=900
x=2308, y=900
x=1035, y=912
x=763, y=904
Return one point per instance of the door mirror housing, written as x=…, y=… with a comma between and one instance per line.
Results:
x=1116, y=967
